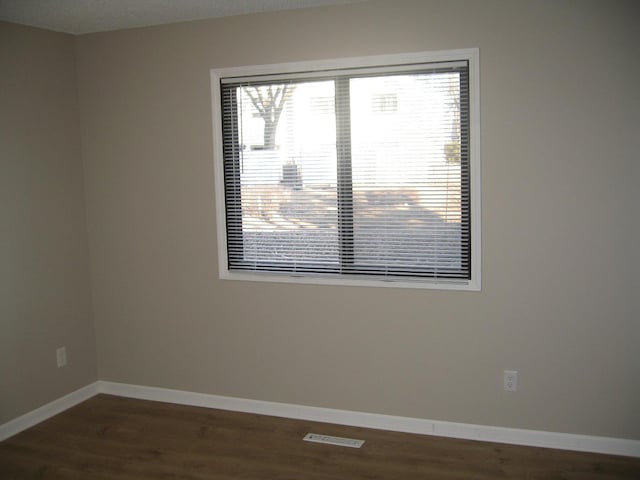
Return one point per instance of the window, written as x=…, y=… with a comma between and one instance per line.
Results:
x=350, y=196
x=384, y=102
x=322, y=105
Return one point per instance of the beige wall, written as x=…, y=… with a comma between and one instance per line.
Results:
x=560, y=171
x=44, y=278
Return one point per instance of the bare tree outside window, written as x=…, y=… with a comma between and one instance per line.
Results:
x=269, y=101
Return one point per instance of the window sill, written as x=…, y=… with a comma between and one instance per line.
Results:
x=352, y=281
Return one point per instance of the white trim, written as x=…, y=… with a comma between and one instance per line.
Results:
x=218, y=165
x=471, y=55
x=347, y=63
x=47, y=411
x=515, y=436
x=319, y=279
x=319, y=74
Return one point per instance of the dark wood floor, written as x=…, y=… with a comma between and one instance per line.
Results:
x=110, y=437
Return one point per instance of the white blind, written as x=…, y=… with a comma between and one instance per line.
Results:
x=359, y=172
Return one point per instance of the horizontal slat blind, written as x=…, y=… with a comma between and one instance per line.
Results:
x=360, y=173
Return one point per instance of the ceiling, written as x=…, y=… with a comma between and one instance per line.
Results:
x=88, y=16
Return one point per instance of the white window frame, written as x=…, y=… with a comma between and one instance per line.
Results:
x=470, y=55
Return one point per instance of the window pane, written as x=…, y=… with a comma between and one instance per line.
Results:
x=288, y=175
x=406, y=171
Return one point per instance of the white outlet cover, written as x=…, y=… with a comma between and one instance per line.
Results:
x=328, y=439
x=61, y=356
x=510, y=380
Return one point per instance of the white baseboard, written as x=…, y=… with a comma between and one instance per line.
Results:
x=47, y=411
x=515, y=436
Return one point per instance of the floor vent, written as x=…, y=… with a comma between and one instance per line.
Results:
x=343, y=442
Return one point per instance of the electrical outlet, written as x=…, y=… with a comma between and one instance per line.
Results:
x=61, y=356
x=510, y=380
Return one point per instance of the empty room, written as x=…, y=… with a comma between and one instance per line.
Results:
x=319, y=239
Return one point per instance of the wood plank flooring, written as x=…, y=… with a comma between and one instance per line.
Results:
x=110, y=437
